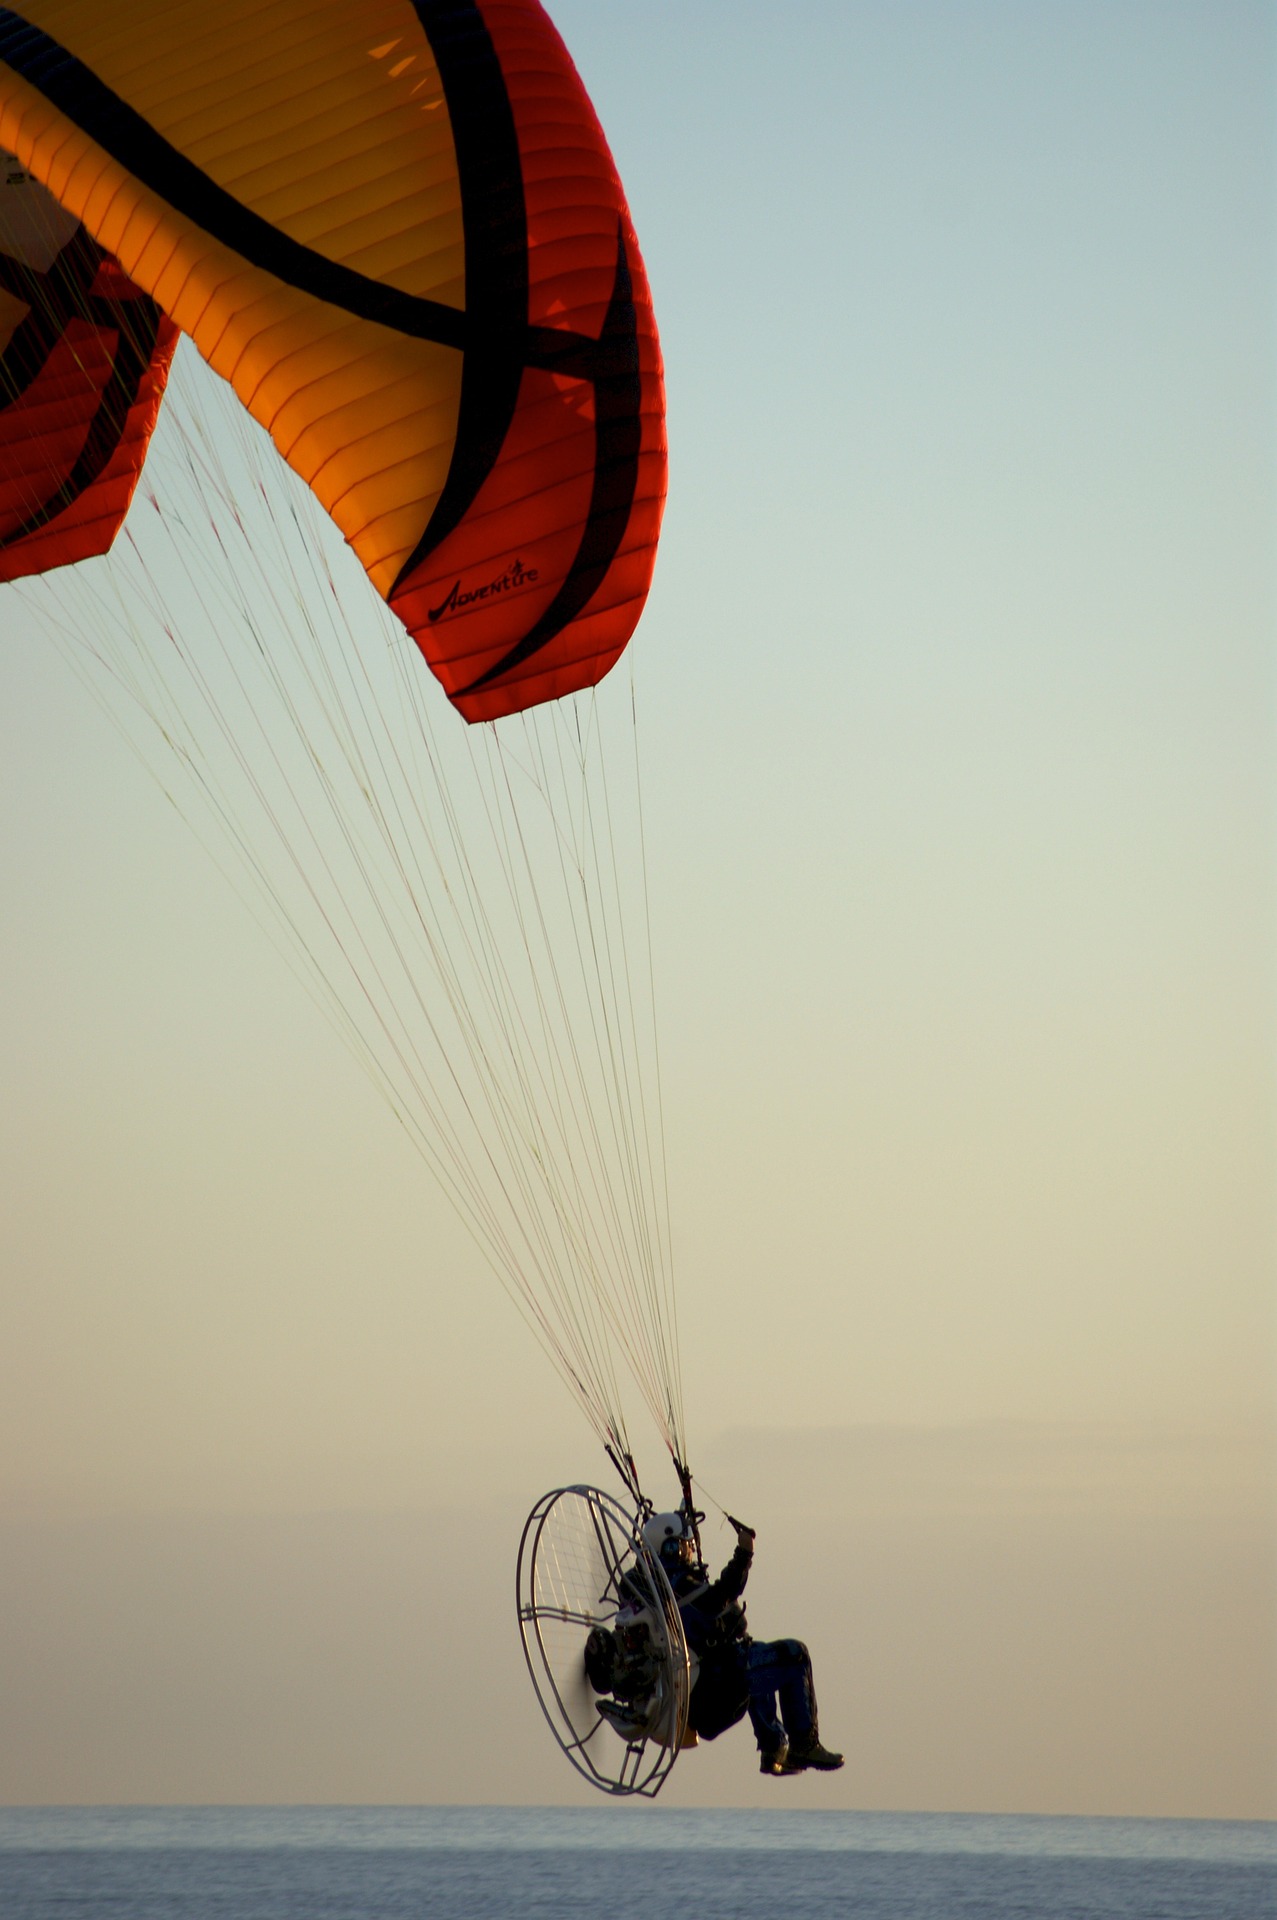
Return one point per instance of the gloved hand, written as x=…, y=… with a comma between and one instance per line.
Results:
x=744, y=1534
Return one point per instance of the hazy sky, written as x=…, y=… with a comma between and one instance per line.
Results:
x=956, y=699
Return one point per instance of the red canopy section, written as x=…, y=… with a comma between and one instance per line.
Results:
x=84, y=355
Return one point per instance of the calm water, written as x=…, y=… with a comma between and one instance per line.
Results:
x=476, y=1863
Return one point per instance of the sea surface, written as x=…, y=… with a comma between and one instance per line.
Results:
x=487, y=1863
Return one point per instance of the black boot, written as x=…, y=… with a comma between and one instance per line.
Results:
x=807, y=1752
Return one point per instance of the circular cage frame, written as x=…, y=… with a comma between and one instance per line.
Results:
x=646, y=1758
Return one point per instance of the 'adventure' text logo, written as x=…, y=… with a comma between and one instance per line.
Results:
x=515, y=575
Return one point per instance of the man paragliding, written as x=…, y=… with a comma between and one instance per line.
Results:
x=397, y=233
x=771, y=1680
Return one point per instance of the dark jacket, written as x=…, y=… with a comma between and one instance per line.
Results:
x=714, y=1622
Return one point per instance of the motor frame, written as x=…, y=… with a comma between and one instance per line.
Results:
x=582, y=1567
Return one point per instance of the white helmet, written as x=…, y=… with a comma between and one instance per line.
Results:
x=660, y=1529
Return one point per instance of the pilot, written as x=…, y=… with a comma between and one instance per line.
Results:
x=770, y=1680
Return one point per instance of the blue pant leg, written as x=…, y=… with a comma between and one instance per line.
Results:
x=760, y=1673
x=779, y=1672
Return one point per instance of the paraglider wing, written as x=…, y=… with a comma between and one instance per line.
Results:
x=397, y=230
x=84, y=355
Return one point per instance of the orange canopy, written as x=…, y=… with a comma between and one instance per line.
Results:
x=397, y=230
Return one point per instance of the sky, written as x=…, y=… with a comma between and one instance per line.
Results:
x=956, y=706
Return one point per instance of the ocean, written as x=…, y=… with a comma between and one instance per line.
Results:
x=490, y=1863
